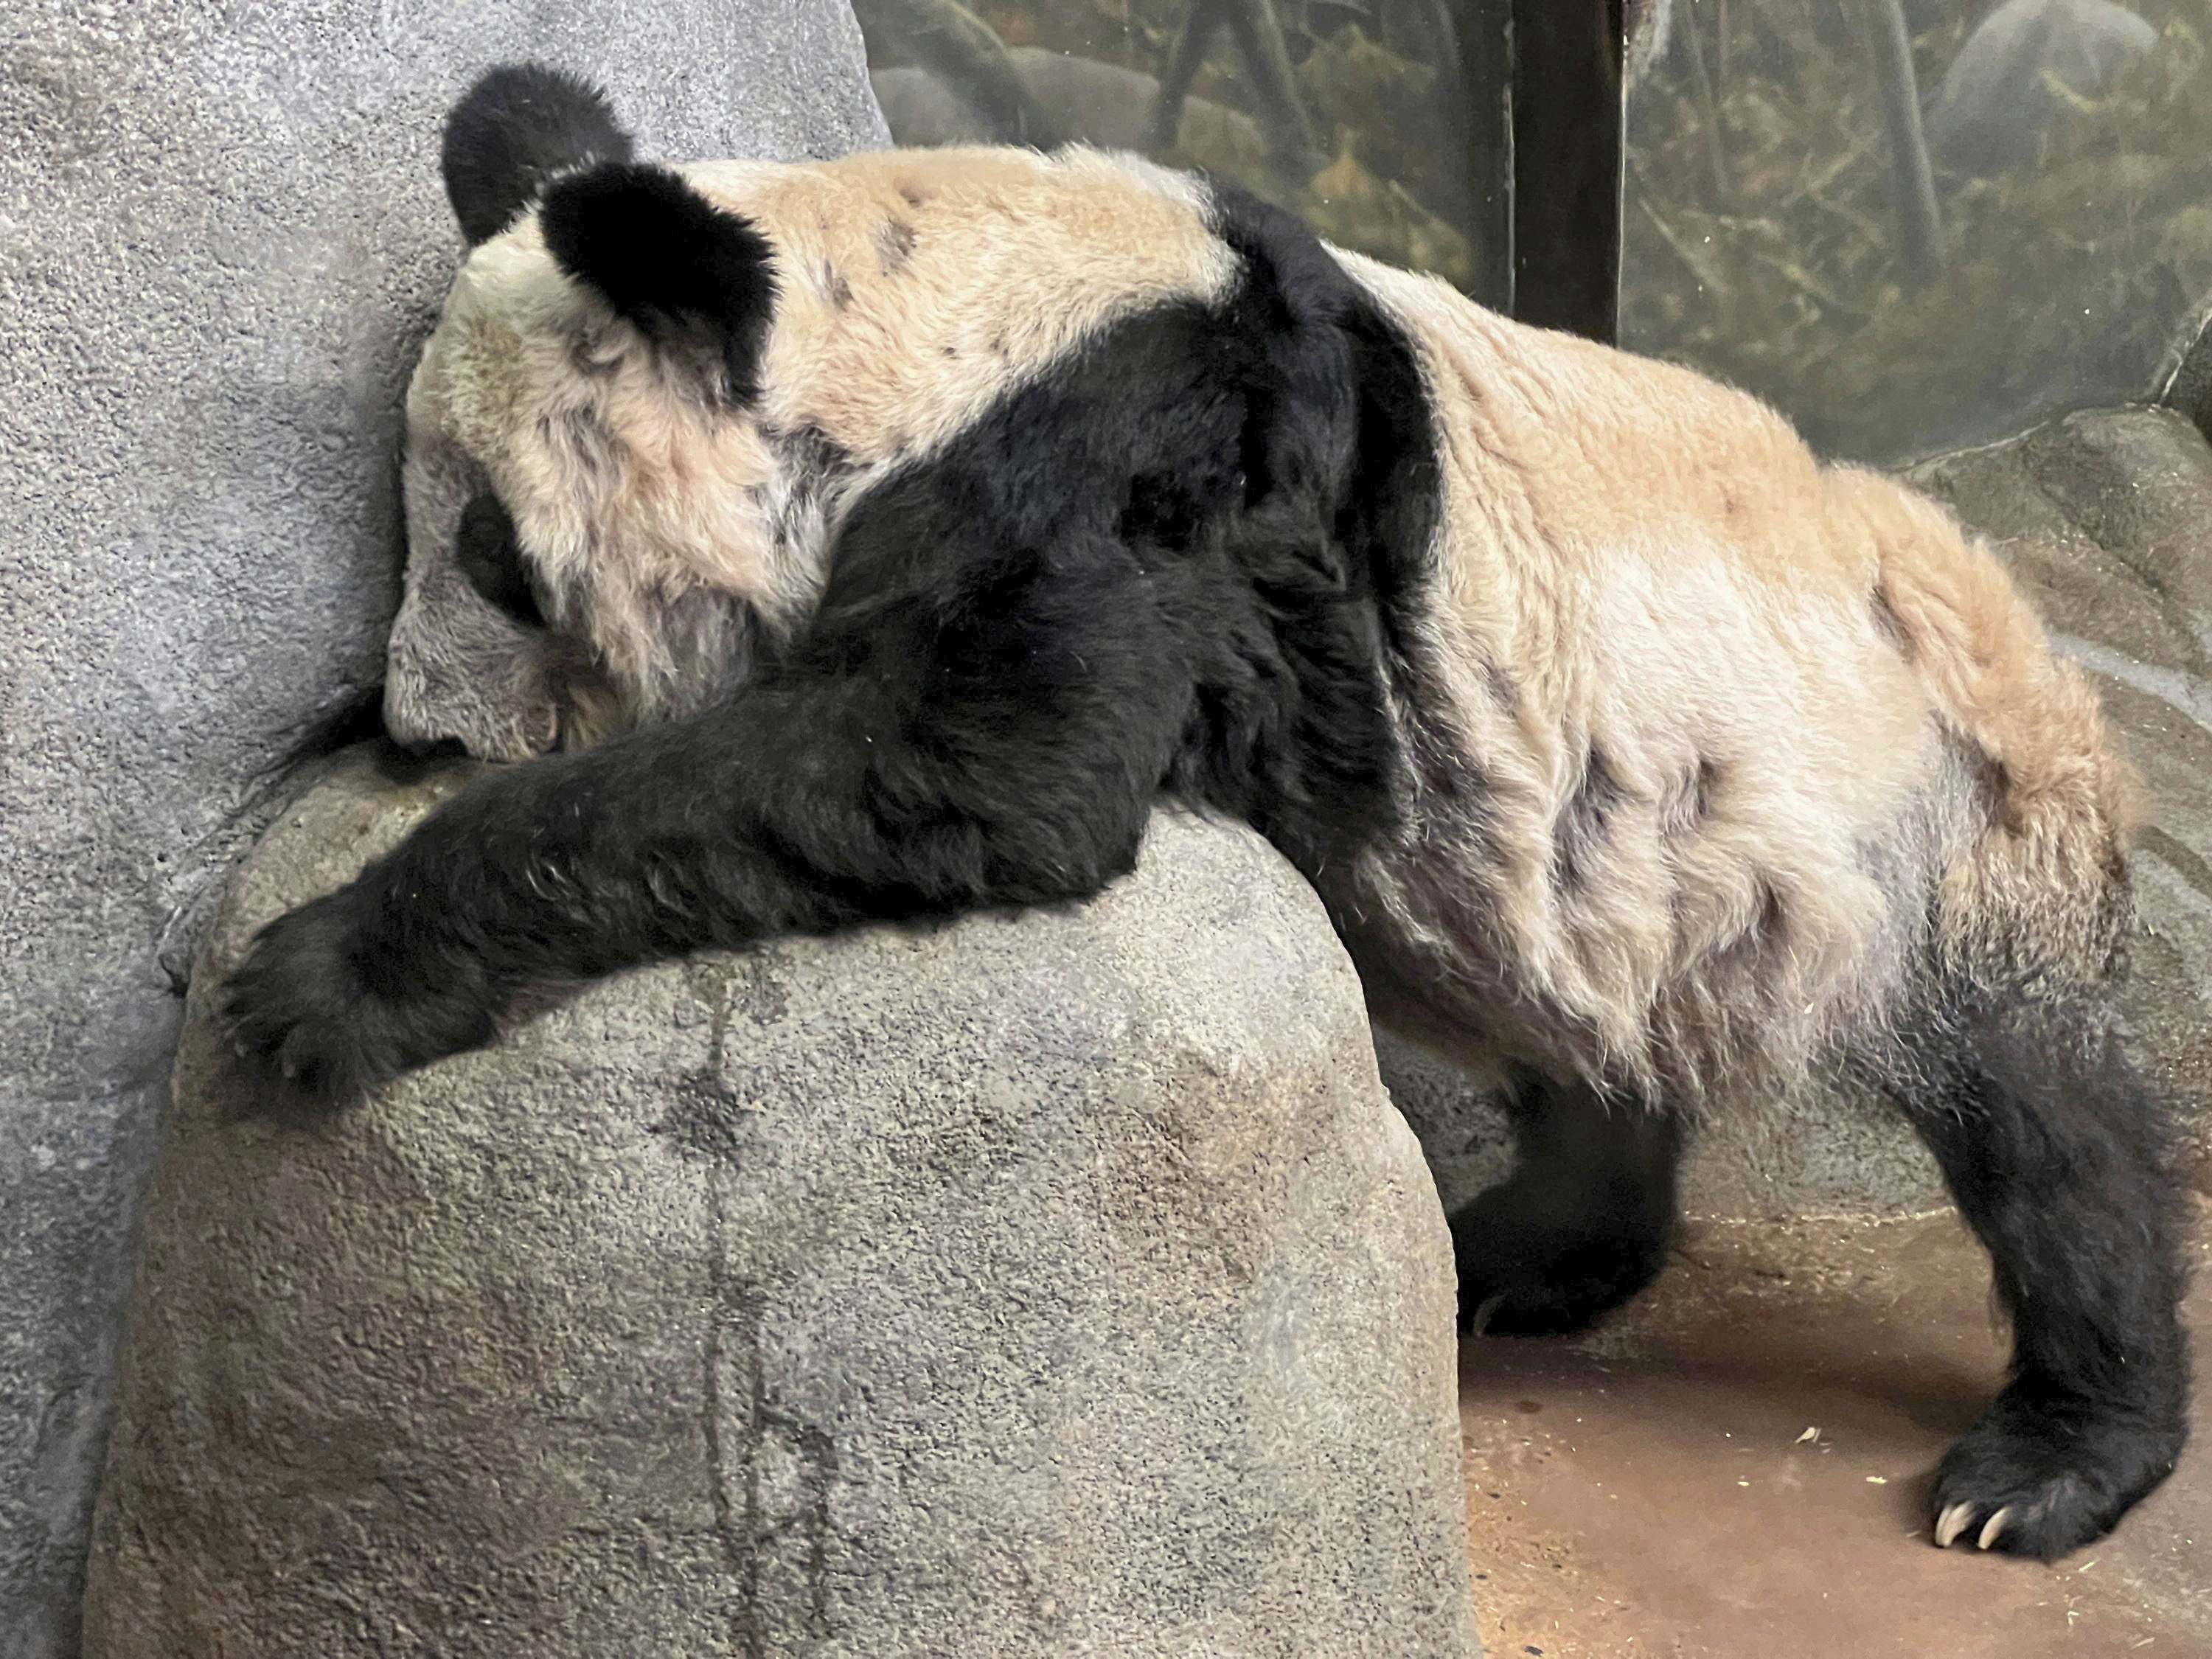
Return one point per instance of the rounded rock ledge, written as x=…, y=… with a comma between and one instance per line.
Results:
x=1061, y=1282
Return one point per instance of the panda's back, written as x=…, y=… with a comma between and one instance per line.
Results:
x=1741, y=720
x=915, y=288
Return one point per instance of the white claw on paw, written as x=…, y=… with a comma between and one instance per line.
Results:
x=1954, y=1521
x=1994, y=1529
x=1484, y=1315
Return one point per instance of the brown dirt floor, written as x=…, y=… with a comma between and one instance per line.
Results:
x=1655, y=1487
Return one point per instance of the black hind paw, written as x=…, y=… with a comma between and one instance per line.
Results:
x=2036, y=1483
x=1521, y=1277
x=314, y=1014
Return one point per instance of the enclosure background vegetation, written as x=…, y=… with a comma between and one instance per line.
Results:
x=1762, y=239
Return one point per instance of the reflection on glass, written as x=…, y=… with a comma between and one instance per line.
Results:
x=1782, y=230
x=1358, y=114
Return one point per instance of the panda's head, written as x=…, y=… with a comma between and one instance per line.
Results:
x=582, y=483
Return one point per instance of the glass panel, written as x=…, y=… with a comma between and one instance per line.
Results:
x=1381, y=122
x=1918, y=224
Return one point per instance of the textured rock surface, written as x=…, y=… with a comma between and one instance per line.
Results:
x=2028, y=67
x=1052, y=1283
x=2106, y=517
x=220, y=238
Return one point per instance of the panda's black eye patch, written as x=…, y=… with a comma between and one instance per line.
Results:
x=490, y=555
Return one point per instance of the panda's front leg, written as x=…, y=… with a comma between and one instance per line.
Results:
x=331, y=1005
x=487, y=908
x=907, y=770
x=1583, y=1222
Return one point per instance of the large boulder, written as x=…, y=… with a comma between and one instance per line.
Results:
x=222, y=237
x=2029, y=68
x=1053, y=1283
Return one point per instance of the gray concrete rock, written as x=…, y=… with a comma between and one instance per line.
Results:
x=2183, y=379
x=222, y=235
x=1051, y=1284
x=2106, y=517
x=2025, y=70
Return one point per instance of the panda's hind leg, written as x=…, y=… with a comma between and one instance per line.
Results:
x=2058, y=1158
x=1583, y=1222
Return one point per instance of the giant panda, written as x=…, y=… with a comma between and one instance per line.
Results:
x=885, y=536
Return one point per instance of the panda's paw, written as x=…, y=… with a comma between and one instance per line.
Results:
x=318, y=1017
x=1528, y=1274
x=2030, y=1483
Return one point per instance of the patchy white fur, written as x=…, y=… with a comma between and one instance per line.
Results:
x=1817, y=705
x=1716, y=747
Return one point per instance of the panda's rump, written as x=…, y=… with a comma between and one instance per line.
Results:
x=1710, y=736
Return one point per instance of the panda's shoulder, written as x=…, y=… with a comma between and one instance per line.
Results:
x=918, y=290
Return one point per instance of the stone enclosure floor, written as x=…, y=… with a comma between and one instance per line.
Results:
x=1736, y=1467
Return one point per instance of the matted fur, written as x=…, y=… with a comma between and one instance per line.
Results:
x=1644, y=578
x=1801, y=700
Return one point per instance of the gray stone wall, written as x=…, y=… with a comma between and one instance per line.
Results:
x=222, y=237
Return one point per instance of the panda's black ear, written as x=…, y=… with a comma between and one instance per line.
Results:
x=517, y=128
x=663, y=257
